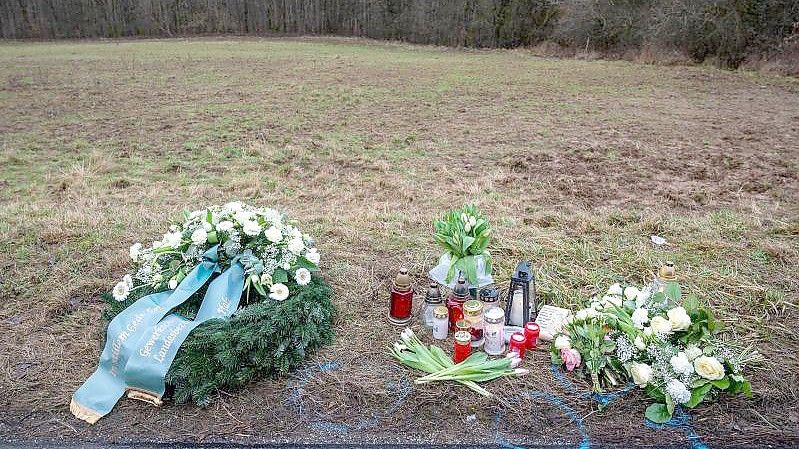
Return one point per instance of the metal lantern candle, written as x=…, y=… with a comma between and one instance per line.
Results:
x=521, y=280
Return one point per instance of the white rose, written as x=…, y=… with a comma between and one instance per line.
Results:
x=582, y=315
x=195, y=214
x=640, y=317
x=135, y=251
x=680, y=364
x=591, y=313
x=251, y=228
x=631, y=293
x=296, y=246
x=232, y=207
x=679, y=319
x=563, y=342
x=278, y=292
x=173, y=284
x=273, y=234
x=302, y=276
x=641, y=374
x=639, y=343
x=615, y=289
x=120, y=291
x=693, y=351
x=207, y=226
x=648, y=331
x=661, y=325
x=199, y=236
x=709, y=367
x=596, y=306
x=224, y=226
x=313, y=256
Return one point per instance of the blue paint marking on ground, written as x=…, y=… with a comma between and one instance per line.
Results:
x=682, y=421
x=573, y=416
x=602, y=399
x=401, y=390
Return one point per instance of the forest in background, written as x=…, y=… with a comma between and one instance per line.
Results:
x=728, y=32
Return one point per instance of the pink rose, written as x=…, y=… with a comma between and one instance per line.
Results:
x=571, y=357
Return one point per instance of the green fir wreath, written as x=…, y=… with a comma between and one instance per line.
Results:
x=265, y=336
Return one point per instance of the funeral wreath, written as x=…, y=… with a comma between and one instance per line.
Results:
x=229, y=294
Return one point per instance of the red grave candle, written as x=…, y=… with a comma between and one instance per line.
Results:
x=399, y=310
x=518, y=344
x=459, y=295
x=463, y=346
x=531, y=331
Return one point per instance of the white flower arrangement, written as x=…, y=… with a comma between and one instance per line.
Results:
x=667, y=346
x=272, y=251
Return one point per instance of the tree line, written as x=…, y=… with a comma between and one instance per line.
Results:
x=729, y=30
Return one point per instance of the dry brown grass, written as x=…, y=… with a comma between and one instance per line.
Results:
x=577, y=163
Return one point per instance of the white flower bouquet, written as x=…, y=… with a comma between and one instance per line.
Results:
x=271, y=249
x=670, y=348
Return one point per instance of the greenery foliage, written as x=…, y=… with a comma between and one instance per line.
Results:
x=263, y=338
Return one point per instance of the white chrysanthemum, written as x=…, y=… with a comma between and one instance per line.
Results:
x=135, y=251
x=681, y=365
x=121, y=291
x=199, y=236
x=302, y=276
x=615, y=289
x=631, y=292
x=128, y=279
x=224, y=226
x=273, y=234
x=642, y=297
x=279, y=292
x=313, y=256
x=251, y=228
x=640, y=317
x=243, y=216
x=172, y=239
x=173, y=284
x=296, y=246
x=678, y=391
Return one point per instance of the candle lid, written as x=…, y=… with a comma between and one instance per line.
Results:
x=462, y=324
x=433, y=294
x=461, y=290
x=489, y=294
x=532, y=326
x=494, y=315
x=463, y=337
x=402, y=281
x=518, y=337
x=440, y=312
x=472, y=306
x=667, y=271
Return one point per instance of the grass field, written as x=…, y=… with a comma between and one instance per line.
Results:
x=577, y=163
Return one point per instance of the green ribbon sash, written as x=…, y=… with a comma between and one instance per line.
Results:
x=143, y=339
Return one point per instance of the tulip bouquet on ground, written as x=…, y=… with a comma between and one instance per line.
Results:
x=410, y=351
x=669, y=347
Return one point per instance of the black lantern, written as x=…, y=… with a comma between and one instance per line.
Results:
x=522, y=279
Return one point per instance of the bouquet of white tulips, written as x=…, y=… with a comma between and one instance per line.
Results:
x=410, y=351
